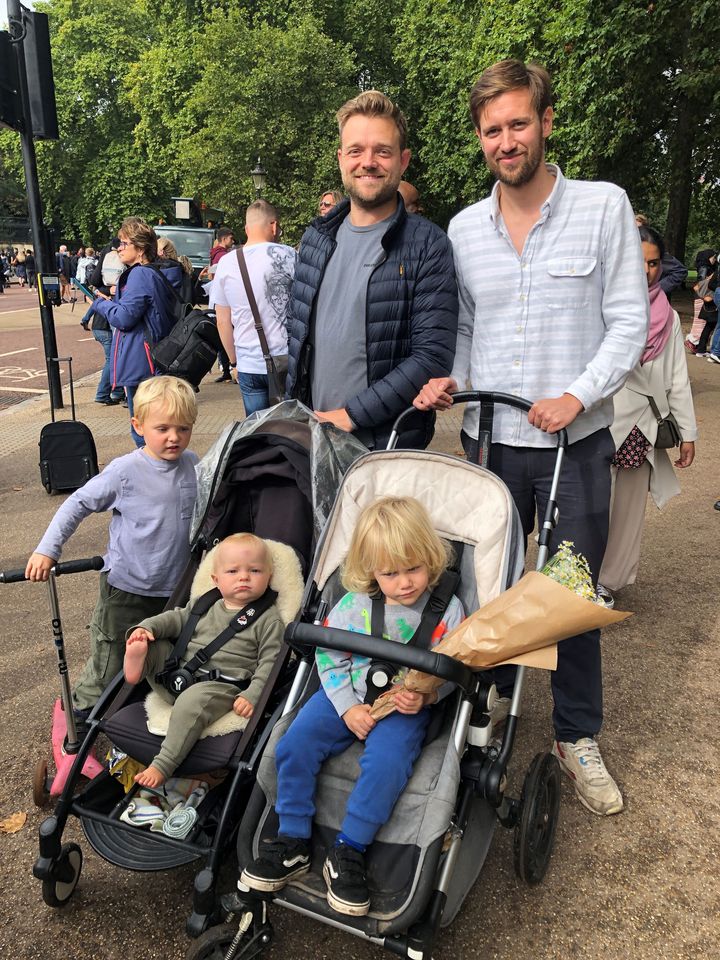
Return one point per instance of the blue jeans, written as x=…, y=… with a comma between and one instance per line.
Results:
x=254, y=390
x=130, y=394
x=104, y=388
x=715, y=345
x=584, y=505
x=386, y=765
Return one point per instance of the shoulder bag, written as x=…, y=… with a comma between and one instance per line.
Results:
x=668, y=432
x=277, y=367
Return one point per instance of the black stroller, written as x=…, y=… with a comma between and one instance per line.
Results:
x=427, y=857
x=274, y=475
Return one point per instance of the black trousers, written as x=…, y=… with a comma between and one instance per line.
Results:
x=584, y=507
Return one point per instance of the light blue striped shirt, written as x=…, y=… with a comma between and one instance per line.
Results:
x=568, y=315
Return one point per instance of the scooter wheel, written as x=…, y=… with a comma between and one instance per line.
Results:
x=41, y=793
x=540, y=807
x=57, y=890
x=216, y=943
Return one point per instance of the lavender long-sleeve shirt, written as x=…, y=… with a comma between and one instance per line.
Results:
x=152, y=504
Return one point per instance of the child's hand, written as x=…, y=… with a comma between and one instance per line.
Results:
x=410, y=703
x=39, y=567
x=243, y=707
x=358, y=720
x=138, y=634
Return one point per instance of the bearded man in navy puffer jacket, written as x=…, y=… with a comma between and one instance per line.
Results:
x=374, y=301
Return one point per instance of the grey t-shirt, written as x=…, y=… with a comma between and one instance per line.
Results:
x=339, y=370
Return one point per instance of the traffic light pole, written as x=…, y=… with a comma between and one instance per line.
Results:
x=43, y=261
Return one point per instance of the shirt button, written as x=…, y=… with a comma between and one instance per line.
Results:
x=519, y=328
x=516, y=363
x=523, y=297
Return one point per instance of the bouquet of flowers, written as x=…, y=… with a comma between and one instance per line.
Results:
x=522, y=625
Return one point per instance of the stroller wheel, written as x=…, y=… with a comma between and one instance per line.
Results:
x=539, y=809
x=57, y=890
x=41, y=793
x=225, y=942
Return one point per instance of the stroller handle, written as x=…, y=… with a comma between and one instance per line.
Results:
x=437, y=664
x=71, y=566
x=484, y=397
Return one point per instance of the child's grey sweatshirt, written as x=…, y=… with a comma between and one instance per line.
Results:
x=152, y=504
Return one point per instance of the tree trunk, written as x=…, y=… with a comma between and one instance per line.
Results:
x=680, y=180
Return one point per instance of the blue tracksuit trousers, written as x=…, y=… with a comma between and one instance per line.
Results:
x=386, y=764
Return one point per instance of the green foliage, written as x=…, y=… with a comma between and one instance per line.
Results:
x=181, y=96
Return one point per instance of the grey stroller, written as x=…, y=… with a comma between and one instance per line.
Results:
x=429, y=854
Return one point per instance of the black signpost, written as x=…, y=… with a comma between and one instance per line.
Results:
x=27, y=105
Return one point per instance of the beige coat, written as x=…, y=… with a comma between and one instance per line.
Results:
x=666, y=379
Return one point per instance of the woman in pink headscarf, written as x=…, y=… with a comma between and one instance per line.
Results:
x=639, y=466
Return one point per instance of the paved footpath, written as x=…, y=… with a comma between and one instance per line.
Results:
x=640, y=886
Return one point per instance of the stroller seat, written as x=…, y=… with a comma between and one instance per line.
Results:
x=395, y=861
x=128, y=727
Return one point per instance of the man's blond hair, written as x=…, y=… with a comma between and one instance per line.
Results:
x=175, y=396
x=260, y=211
x=372, y=103
x=508, y=75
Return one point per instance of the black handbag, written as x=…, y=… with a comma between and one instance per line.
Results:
x=668, y=432
x=277, y=367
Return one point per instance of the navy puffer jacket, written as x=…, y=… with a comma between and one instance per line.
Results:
x=142, y=310
x=410, y=326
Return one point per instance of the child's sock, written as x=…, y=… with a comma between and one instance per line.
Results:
x=349, y=842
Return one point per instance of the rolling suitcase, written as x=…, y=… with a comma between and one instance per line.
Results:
x=67, y=449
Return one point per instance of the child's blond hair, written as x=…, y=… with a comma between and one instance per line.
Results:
x=176, y=397
x=245, y=538
x=393, y=532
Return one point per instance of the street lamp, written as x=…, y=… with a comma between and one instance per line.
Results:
x=259, y=176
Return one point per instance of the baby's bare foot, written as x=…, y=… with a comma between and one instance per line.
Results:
x=134, y=662
x=150, y=777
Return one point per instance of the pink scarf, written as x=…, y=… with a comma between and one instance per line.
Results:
x=661, y=323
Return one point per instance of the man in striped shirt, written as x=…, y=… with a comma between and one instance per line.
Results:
x=553, y=308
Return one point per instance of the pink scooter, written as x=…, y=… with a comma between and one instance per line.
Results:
x=65, y=741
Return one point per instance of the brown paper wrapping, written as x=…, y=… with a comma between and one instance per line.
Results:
x=522, y=626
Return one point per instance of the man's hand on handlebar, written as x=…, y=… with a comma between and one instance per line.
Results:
x=436, y=394
x=554, y=413
x=39, y=567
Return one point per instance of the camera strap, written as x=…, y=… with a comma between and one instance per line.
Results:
x=240, y=621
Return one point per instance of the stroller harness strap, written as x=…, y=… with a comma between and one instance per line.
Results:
x=380, y=672
x=176, y=678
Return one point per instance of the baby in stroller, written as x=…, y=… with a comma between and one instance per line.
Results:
x=222, y=649
x=396, y=572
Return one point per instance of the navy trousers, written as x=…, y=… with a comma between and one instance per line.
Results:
x=584, y=505
x=386, y=764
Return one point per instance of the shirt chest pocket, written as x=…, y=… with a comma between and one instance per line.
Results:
x=188, y=492
x=569, y=282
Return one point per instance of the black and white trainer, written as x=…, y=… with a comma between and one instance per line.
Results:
x=280, y=861
x=347, y=889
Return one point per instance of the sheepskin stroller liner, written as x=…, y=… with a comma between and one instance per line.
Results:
x=263, y=476
x=473, y=509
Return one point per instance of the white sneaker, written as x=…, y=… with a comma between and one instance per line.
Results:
x=606, y=596
x=594, y=786
x=712, y=358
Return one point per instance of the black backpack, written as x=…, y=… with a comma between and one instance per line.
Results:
x=190, y=349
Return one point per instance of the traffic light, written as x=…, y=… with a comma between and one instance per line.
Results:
x=10, y=107
x=38, y=68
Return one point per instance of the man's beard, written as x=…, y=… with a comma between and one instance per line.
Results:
x=386, y=193
x=524, y=171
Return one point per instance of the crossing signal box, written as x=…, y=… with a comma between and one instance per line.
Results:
x=38, y=70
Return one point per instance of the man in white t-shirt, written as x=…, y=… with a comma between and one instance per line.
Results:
x=271, y=267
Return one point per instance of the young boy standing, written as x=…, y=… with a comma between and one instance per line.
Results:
x=151, y=493
x=241, y=572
